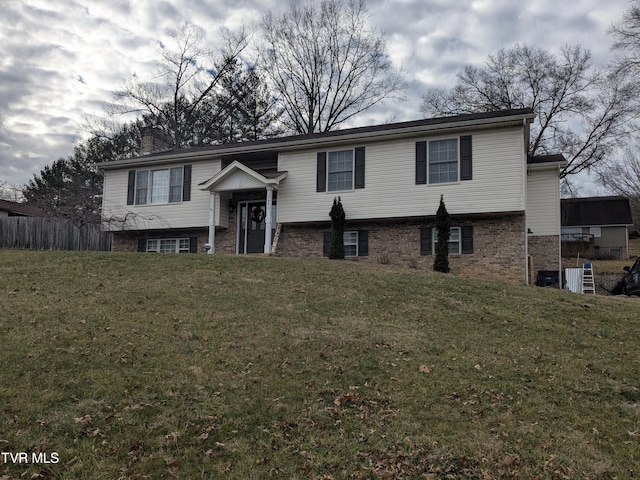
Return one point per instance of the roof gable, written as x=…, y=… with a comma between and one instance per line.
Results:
x=238, y=176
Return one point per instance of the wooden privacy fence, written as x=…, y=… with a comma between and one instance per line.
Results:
x=51, y=234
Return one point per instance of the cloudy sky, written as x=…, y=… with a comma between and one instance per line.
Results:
x=61, y=60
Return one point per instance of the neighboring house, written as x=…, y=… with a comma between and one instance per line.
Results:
x=15, y=209
x=596, y=226
x=274, y=196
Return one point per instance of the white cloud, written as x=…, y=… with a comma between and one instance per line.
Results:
x=63, y=60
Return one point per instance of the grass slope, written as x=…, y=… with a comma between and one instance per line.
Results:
x=196, y=366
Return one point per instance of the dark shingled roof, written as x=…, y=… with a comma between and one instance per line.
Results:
x=595, y=211
x=372, y=128
x=21, y=209
x=558, y=157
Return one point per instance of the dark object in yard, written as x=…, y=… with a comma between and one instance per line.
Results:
x=630, y=283
x=548, y=278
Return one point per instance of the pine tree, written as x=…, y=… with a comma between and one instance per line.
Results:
x=443, y=226
x=337, y=230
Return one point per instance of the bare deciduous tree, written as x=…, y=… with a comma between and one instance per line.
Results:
x=580, y=110
x=621, y=175
x=326, y=65
x=626, y=33
x=186, y=84
x=9, y=192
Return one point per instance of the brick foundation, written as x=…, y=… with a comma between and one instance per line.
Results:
x=128, y=241
x=498, y=244
x=545, y=251
x=499, y=250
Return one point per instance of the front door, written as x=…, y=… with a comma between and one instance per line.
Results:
x=253, y=216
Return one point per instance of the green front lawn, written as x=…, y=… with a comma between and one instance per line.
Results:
x=198, y=366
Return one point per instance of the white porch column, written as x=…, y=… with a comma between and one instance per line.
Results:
x=268, y=221
x=212, y=222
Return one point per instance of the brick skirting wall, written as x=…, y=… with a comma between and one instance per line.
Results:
x=128, y=241
x=498, y=245
x=545, y=250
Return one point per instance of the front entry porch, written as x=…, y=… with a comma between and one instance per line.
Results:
x=252, y=226
x=257, y=218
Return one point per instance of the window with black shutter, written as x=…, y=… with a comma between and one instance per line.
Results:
x=460, y=240
x=186, y=184
x=359, y=174
x=425, y=240
x=465, y=158
x=467, y=239
x=356, y=243
x=421, y=163
x=326, y=243
x=159, y=186
x=444, y=161
x=340, y=170
x=131, y=187
x=363, y=243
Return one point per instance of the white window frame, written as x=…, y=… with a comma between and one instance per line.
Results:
x=164, y=197
x=429, y=143
x=348, y=241
x=181, y=245
x=452, y=243
x=353, y=170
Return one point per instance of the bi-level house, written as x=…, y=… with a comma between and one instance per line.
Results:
x=273, y=196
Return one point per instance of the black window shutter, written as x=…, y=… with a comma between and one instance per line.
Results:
x=359, y=167
x=186, y=183
x=421, y=163
x=142, y=245
x=363, y=243
x=326, y=243
x=467, y=239
x=321, y=179
x=131, y=188
x=193, y=244
x=425, y=240
x=465, y=158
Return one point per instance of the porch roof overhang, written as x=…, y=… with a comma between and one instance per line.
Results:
x=237, y=177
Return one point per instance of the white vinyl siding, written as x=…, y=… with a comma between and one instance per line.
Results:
x=117, y=215
x=497, y=185
x=543, y=202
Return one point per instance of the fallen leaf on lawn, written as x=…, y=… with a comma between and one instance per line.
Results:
x=347, y=397
x=427, y=368
x=86, y=420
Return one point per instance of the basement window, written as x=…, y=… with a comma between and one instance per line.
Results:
x=168, y=245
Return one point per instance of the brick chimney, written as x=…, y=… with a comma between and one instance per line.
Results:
x=153, y=140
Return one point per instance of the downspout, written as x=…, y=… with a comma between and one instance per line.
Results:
x=559, y=226
x=525, y=124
